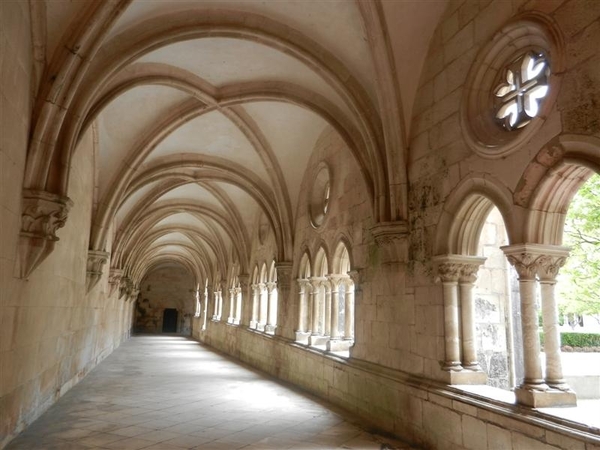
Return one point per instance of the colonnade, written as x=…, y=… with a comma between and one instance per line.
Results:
x=319, y=311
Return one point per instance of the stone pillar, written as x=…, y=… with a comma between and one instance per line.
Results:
x=352, y=302
x=271, y=322
x=314, y=294
x=303, y=328
x=466, y=281
x=238, y=305
x=548, y=268
x=216, y=306
x=285, y=308
x=528, y=260
x=232, y=299
x=335, y=281
x=255, y=302
x=246, y=300
x=263, y=307
x=448, y=272
x=327, y=309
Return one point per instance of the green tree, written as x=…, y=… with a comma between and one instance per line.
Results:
x=580, y=277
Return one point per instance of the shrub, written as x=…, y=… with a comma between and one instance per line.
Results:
x=577, y=340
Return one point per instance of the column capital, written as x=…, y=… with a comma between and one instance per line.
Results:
x=530, y=260
x=317, y=282
x=335, y=280
x=392, y=239
x=461, y=268
x=357, y=277
x=271, y=285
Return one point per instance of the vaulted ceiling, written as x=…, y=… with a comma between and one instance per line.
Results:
x=205, y=113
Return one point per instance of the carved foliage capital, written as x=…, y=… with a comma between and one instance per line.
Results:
x=42, y=215
x=284, y=273
x=548, y=267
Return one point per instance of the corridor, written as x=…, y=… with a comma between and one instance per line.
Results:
x=168, y=392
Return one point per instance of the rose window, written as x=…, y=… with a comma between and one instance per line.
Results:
x=520, y=95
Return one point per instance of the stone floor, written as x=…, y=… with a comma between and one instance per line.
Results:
x=169, y=393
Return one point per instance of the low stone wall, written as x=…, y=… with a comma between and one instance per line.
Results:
x=426, y=413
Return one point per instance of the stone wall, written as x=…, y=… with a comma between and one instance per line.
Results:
x=52, y=333
x=169, y=287
x=429, y=414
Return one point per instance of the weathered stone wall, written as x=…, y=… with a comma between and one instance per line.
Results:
x=427, y=413
x=169, y=287
x=52, y=333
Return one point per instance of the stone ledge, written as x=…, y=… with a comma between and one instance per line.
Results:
x=545, y=399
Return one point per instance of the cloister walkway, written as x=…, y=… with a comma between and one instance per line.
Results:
x=169, y=392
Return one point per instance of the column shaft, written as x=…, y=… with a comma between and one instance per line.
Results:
x=469, y=348
x=554, y=372
x=452, y=347
x=531, y=340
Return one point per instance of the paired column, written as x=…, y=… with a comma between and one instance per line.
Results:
x=237, y=292
x=349, y=310
x=262, y=307
x=232, y=298
x=458, y=274
x=543, y=262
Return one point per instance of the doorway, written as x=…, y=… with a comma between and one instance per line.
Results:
x=169, y=321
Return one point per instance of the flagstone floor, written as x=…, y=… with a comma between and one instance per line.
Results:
x=165, y=392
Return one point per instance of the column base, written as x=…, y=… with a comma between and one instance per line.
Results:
x=464, y=376
x=545, y=399
x=270, y=329
x=302, y=337
x=318, y=340
x=253, y=325
x=260, y=326
x=338, y=345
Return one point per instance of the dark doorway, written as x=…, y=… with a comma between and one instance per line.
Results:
x=170, y=321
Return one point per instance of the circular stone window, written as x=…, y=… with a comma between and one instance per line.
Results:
x=511, y=87
x=320, y=195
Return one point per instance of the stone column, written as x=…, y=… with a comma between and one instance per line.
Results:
x=255, y=302
x=238, y=305
x=263, y=307
x=232, y=299
x=246, y=303
x=352, y=301
x=448, y=273
x=271, y=321
x=548, y=267
x=327, y=308
x=285, y=309
x=314, y=294
x=466, y=280
x=544, y=261
x=335, y=281
x=303, y=285
x=525, y=264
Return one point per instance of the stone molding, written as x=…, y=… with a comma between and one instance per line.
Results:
x=43, y=213
x=542, y=260
x=95, y=261
x=392, y=239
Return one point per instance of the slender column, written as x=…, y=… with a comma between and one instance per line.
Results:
x=327, y=305
x=255, y=302
x=525, y=264
x=216, y=306
x=238, y=305
x=349, y=311
x=335, y=281
x=231, y=318
x=448, y=273
x=302, y=307
x=314, y=294
x=262, y=311
x=548, y=268
x=271, y=306
x=467, y=278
